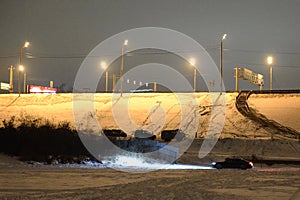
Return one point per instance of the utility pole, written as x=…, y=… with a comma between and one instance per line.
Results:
x=114, y=82
x=221, y=62
x=154, y=86
x=270, y=62
x=21, y=68
x=192, y=62
x=195, y=81
x=121, y=71
x=271, y=77
x=122, y=66
x=11, y=86
x=237, y=78
x=25, y=80
x=106, y=81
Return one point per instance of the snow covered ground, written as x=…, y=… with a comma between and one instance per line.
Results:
x=149, y=109
x=47, y=182
x=19, y=180
x=283, y=108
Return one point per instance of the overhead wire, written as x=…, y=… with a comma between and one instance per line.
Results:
x=161, y=52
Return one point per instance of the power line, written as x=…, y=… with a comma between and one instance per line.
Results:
x=153, y=51
x=161, y=52
x=263, y=51
x=261, y=64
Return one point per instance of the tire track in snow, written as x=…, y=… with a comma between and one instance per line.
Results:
x=270, y=125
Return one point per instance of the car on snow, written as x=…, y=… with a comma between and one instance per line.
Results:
x=237, y=163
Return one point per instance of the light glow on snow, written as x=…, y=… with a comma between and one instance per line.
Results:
x=139, y=163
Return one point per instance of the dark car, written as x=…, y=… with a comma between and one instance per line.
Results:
x=238, y=163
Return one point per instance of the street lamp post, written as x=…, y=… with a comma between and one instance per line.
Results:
x=192, y=61
x=122, y=67
x=25, y=80
x=270, y=62
x=221, y=62
x=11, y=89
x=104, y=66
x=21, y=67
x=21, y=51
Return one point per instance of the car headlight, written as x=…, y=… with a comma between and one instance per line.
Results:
x=213, y=163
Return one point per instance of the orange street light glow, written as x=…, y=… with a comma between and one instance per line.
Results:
x=224, y=36
x=26, y=44
x=270, y=60
x=103, y=65
x=192, y=61
x=21, y=68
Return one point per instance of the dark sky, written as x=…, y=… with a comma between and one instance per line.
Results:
x=63, y=32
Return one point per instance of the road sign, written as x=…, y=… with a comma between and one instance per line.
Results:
x=246, y=74
x=257, y=79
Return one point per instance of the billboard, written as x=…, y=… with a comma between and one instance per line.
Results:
x=41, y=89
x=4, y=86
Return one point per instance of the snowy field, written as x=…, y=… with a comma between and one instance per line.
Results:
x=283, y=108
x=47, y=182
x=143, y=111
x=19, y=180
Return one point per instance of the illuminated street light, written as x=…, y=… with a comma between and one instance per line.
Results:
x=104, y=66
x=270, y=62
x=21, y=49
x=21, y=68
x=122, y=66
x=192, y=61
x=221, y=61
x=26, y=44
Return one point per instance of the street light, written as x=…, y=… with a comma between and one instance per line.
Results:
x=21, y=69
x=221, y=61
x=21, y=49
x=270, y=62
x=24, y=81
x=11, y=89
x=192, y=61
x=122, y=66
x=26, y=44
x=104, y=66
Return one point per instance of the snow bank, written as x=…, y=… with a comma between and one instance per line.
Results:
x=143, y=111
x=282, y=108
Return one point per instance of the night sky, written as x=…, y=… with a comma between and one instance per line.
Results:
x=63, y=32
